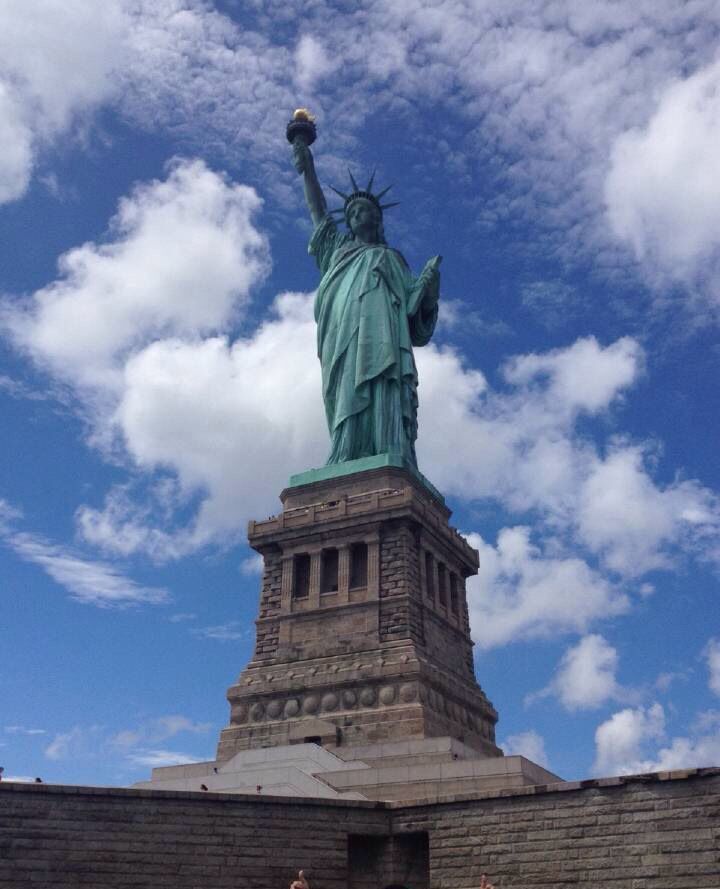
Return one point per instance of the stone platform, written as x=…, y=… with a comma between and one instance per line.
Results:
x=402, y=770
x=363, y=635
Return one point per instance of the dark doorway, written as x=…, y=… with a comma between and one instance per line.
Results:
x=396, y=862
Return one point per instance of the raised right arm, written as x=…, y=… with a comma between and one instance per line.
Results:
x=314, y=197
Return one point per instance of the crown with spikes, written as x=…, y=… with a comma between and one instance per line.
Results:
x=365, y=193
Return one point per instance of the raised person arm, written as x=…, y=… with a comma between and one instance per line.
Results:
x=314, y=197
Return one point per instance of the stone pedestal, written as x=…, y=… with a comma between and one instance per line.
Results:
x=363, y=633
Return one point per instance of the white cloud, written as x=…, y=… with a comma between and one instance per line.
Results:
x=566, y=94
x=252, y=566
x=231, y=420
x=633, y=523
x=528, y=744
x=707, y=720
x=8, y=515
x=585, y=677
x=181, y=616
x=157, y=758
x=531, y=458
x=67, y=744
x=689, y=753
x=663, y=187
x=584, y=377
x=312, y=62
x=228, y=632
x=156, y=730
x=634, y=741
x=711, y=653
x=522, y=592
x=17, y=157
x=22, y=730
x=624, y=737
x=56, y=66
x=182, y=257
x=136, y=746
x=89, y=582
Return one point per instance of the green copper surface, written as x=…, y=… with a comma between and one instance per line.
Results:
x=362, y=464
x=370, y=311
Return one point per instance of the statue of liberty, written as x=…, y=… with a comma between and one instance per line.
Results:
x=370, y=311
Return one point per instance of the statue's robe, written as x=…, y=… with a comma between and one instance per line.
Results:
x=370, y=312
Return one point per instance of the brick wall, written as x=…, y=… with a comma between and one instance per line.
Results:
x=648, y=832
x=398, y=565
x=267, y=633
x=652, y=832
x=97, y=838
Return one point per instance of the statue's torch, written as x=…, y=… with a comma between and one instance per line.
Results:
x=301, y=128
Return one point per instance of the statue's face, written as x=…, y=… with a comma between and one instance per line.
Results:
x=363, y=219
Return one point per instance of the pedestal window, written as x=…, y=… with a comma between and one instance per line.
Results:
x=358, y=565
x=301, y=576
x=329, y=571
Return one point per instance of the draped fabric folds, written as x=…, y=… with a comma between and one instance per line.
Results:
x=370, y=312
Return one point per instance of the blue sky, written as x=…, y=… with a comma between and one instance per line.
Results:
x=158, y=380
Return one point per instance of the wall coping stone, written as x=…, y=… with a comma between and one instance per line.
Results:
x=244, y=798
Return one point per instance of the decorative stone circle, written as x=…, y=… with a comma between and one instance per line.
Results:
x=387, y=694
x=311, y=704
x=274, y=709
x=367, y=697
x=292, y=708
x=240, y=713
x=408, y=692
x=257, y=711
x=349, y=698
x=329, y=701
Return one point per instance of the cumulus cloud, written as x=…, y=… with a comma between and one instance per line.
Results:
x=181, y=258
x=632, y=523
x=230, y=419
x=663, y=186
x=529, y=744
x=621, y=740
x=634, y=740
x=530, y=457
x=522, y=592
x=585, y=677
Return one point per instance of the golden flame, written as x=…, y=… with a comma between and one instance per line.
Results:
x=303, y=114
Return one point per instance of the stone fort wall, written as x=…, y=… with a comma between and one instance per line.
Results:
x=658, y=831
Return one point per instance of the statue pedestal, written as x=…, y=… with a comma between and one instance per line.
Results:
x=363, y=634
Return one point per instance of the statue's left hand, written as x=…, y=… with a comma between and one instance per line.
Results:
x=430, y=276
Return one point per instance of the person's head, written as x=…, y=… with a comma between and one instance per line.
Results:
x=364, y=219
